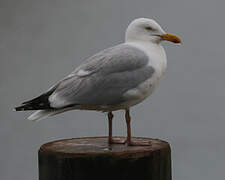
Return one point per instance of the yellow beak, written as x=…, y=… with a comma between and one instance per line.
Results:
x=171, y=37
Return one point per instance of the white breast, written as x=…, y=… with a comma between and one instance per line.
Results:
x=157, y=59
x=156, y=54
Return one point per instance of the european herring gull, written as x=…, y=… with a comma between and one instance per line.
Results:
x=116, y=78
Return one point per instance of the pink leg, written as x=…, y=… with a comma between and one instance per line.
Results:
x=112, y=140
x=129, y=141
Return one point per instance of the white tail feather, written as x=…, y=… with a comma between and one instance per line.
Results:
x=40, y=114
x=43, y=114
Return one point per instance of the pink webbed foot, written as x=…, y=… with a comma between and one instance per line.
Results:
x=139, y=143
x=117, y=141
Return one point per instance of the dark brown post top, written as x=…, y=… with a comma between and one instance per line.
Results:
x=92, y=146
x=92, y=157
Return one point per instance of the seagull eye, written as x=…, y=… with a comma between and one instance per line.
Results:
x=150, y=28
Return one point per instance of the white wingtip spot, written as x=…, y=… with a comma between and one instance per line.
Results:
x=83, y=73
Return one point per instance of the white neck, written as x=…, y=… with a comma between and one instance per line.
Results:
x=155, y=52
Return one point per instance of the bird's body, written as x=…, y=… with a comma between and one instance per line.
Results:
x=115, y=78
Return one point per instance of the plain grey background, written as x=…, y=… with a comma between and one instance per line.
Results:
x=42, y=41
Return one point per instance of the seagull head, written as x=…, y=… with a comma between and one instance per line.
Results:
x=144, y=29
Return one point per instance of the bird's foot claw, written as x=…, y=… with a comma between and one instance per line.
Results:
x=117, y=141
x=129, y=143
x=139, y=143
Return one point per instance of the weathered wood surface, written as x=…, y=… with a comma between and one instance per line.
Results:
x=93, y=158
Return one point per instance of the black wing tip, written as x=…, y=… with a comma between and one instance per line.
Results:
x=18, y=109
x=22, y=108
x=39, y=103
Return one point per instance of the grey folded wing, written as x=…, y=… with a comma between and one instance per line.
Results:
x=103, y=78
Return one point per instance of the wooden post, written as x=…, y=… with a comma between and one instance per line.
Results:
x=92, y=158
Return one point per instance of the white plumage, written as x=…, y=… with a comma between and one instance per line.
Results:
x=115, y=78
